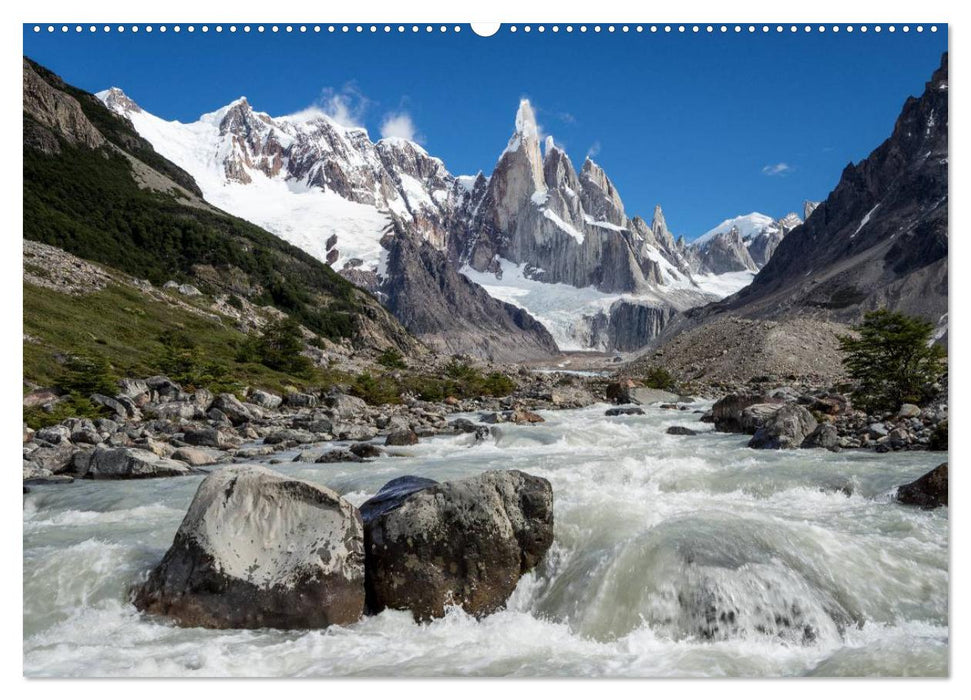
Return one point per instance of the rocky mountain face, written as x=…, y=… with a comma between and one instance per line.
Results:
x=567, y=227
x=346, y=200
x=402, y=192
x=454, y=315
x=744, y=243
x=879, y=240
x=96, y=189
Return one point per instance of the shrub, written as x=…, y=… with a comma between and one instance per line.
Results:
x=456, y=369
x=392, y=359
x=88, y=374
x=186, y=363
x=73, y=406
x=657, y=377
x=235, y=302
x=278, y=348
x=893, y=361
x=376, y=390
x=498, y=384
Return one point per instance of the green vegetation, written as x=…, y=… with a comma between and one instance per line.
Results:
x=74, y=405
x=392, y=359
x=124, y=332
x=88, y=202
x=279, y=348
x=86, y=375
x=460, y=380
x=657, y=377
x=893, y=361
x=376, y=390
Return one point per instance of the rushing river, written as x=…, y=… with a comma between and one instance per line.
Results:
x=673, y=556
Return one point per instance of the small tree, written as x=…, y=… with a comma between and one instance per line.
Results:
x=893, y=361
x=658, y=377
x=278, y=348
x=392, y=359
x=87, y=374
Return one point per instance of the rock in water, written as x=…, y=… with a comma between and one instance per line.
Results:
x=727, y=411
x=629, y=411
x=462, y=542
x=825, y=435
x=929, y=491
x=784, y=429
x=401, y=437
x=260, y=549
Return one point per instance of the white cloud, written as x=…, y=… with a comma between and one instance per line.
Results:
x=777, y=169
x=345, y=106
x=594, y=150
x=399, y=125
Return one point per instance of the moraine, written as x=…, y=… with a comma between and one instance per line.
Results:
x=673, y=556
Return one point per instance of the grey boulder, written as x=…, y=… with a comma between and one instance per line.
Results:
x=464, y=542
x=929, y=491
x=260, y=549
x=784, y=429
x=825, y=435
x=127, y=463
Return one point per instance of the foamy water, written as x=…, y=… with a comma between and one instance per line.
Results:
x=673, y=556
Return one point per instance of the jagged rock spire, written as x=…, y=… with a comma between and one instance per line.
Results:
x=600, y=198
x=660, y=228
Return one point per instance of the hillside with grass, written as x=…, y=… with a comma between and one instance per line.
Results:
x=97, y=190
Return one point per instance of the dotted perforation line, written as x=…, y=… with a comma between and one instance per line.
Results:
x=512, y=29
x=723, y=28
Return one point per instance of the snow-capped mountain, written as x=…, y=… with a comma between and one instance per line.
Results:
x=748, y=225
x=324, y=187
x=533, y=227
x=742, y=243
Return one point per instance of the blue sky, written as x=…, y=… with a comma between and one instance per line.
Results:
x=707, y=125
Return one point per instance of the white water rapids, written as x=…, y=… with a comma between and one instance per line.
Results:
x=673, y=556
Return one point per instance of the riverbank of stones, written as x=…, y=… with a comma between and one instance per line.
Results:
x=156, y=428
x=786, y=418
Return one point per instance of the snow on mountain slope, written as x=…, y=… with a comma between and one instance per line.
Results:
x=748, y=225
x=573, y=314
x=331, y=191
x=324, y=187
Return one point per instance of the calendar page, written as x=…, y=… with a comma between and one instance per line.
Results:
x=586, y=350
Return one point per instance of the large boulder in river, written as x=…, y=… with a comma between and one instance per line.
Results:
x=755, y=416
x=727, y=412
x=929, y=491
x=785, y=429
x=126, y=463
x=260, y=549
x=464, y=542
x=646, y=395
x=826, y=435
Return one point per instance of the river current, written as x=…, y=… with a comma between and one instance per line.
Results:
x=673, y=556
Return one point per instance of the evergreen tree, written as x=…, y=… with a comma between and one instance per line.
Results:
x=893, y=361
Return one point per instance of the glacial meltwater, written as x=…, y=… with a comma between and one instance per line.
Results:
x=673, y=556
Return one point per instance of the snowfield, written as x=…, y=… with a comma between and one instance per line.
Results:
x=568, y=312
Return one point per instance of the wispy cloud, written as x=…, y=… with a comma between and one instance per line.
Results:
x=594, y=150
x=566, y=117
x=345, y=106
x=777, y=169
x=399, y=125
